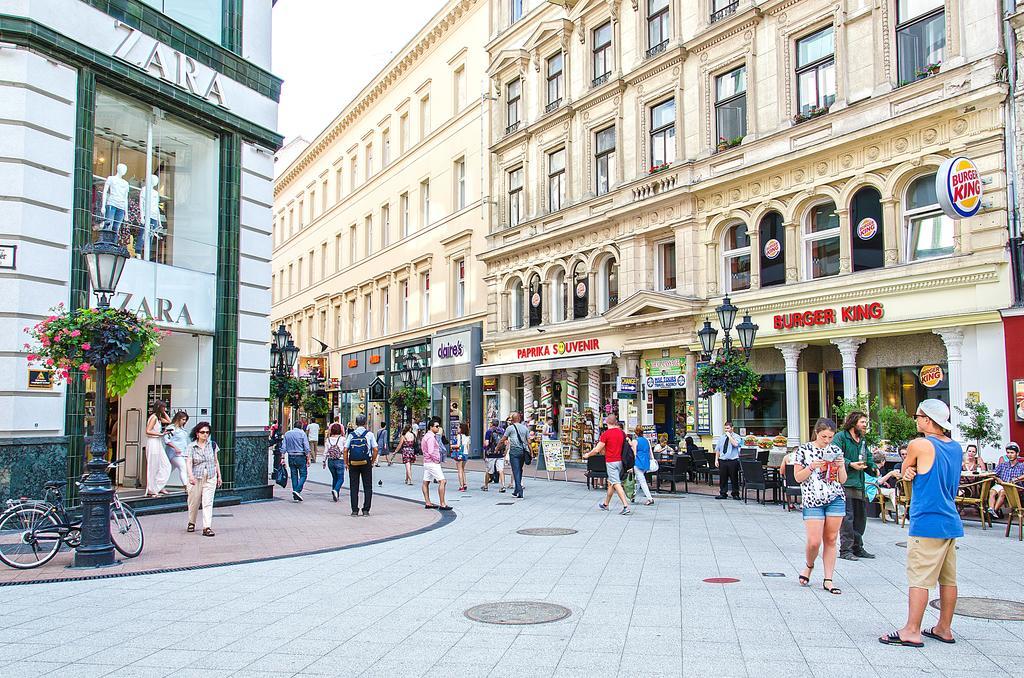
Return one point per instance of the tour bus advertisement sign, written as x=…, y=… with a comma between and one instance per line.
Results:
x=558, y=348
x=958, y=187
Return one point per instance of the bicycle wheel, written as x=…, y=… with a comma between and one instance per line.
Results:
x=28, y=536
x=125, y=530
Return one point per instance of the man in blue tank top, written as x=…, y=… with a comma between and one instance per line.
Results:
x=933, y=464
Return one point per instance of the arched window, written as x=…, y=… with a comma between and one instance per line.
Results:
x=772, y=236
x=821, y=242
x=559, y=297
x=536, y=301
x=580, y=291
x=515, y=303
x=929, y=231
x=867, y=237
x=736, y=252
x=609, y=283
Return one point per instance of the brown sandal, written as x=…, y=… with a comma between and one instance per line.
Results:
x=207, y=532
x=191, y=527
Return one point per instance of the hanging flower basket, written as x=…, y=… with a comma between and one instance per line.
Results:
x=731, y=376
x=71, y=342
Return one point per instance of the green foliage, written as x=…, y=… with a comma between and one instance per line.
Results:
x=731, y=376
x=411, y=398
x=316, y=406
x=291, y=389
x=980, y=424
x=862, y=403
x=898, y=427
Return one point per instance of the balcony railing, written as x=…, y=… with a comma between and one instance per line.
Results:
x=600, y=80
x=553, y=105
x=726, y=11
x=657, y=49
x=512, y=128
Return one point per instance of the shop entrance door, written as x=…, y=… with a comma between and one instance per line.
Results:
x=664, y=413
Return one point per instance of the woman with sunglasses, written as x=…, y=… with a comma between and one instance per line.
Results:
x=203, y=476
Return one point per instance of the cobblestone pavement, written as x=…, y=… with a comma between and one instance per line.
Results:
x=633, y=583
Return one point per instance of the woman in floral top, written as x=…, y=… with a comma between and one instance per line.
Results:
x=819, y=468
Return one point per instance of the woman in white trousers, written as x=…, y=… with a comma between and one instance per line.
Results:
x=176, y=441
x=158, y=467
x=203, y=477
x=642, y=463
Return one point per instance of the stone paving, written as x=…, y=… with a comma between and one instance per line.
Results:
x=633, y=583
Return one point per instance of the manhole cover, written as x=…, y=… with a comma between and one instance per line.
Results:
x=988, y=608
x=773, y=574
x=546, y=531
x=517, y=613
x=506, y=503
x=720, y=580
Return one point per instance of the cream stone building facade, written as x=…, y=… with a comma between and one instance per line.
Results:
x=379, y=223
x=649, y=157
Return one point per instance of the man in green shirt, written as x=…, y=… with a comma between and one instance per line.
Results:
x=858, y=459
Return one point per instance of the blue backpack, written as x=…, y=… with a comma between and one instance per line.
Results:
x=358, y=450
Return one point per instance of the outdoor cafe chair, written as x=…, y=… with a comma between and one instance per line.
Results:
x=1014, y=509
x=904, y=493
x=793, y=491
x=597, y=471
x=754, y=479
x=974, y=494
x=677, y=472
x=762, y=456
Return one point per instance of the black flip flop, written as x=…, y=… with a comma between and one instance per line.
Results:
x=429, y=506
x=445, y=508
x=930, y=633
x=894, y=639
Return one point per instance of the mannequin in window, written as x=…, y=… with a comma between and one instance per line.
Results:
x=114, y=201
x=152, y=220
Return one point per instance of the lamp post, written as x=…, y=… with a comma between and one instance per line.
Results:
x=105, y=259
x=283, y=353
x=746, y=332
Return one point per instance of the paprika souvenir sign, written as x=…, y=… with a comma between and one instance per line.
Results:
x=958, y=187
x=867, y=228
x=772, y=249
x=931, y=376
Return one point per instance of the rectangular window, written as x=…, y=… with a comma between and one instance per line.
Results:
x=720, y=9
x=385, y=311
x=291, y=278
x=604, y=159
x=513, y=95
x=202, y=16
x=515, y=10
x=302, y=214
x=339, y=184
x=667, y=266
x=312, y=204
x=299, y=271
x=601, y=59
x=424, y=116
x=353, y=170
x=403, y=214
x=424, y=203
x=425, y=297
x=556, y=180
x=368, y=227
x=323, y=196
x=816, y=72
x=663, y=134
x=515, y=196
x=273, y=288
x=385, y=148
x=460, y=183
x=309, y=280
x=385, y=225
x=368, y=311
x=731, y=106
x=405, y=305
x=352, y=320
x=353, y=252
x=920, y=38
x=369, y=161
x=403, y=133
x=460, y=288
x=323, y=260
x=657, y=26
x=555, y=82
x=821, y=242
x=337, y=252
x=459, y=86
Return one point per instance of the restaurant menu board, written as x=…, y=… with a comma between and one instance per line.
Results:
x=704, y=416
x=554, y=458
x=651, y=433
x=1018, y=398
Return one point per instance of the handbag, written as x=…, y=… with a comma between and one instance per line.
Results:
x=654, y=465
x=281, y=476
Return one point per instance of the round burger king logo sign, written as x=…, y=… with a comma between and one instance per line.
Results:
x=772, y=249
x=959, y=188
x=581, y=289
x=535, y=299
x=867, y=228
x=931, y=376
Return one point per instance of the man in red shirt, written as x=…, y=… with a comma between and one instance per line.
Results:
x=610, y=444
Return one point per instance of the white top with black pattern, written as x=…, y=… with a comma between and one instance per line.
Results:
x=816, y=490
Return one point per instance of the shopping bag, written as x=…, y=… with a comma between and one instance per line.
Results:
x=629, y=485
x=281, y=476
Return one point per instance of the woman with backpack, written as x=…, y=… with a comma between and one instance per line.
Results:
x=334, y=458
x=408, y=446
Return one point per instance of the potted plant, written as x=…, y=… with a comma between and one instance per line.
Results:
x=898, y=427
x=928, y=70
x=72, y=342
x=725, y=144
x=654, y=169
x=811, y=113
x=980, y=425
x=730, y=375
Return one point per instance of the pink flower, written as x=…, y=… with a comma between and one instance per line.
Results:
x=86, y=346
x=75, y=333
x=31, y=356
x=84, y=367
x=49, y=362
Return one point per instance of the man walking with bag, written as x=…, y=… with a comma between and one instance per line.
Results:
x=494, y=453
x=360, y=456
x=858, y=460
x=517, y=437
x=611, y=443
x=296, y=448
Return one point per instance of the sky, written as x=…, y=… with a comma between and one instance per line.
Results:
x=328, y=50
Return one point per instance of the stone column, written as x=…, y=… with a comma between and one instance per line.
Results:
x=594, y=391
x=791, y=354
x=848, y=347
x=545, y=392
x=953, y=338
x=545, y=303
x=845, y=241
x=890, y=229
x=591, y=294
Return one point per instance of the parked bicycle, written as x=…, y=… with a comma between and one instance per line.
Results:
x=33, y=530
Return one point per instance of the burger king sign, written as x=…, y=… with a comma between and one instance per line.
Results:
x=959, y=188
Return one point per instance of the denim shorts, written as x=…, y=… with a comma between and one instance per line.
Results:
x=834, y=509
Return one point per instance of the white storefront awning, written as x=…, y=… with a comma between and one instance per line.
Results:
x=597, y=360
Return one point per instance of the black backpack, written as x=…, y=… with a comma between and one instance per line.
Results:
x=628, y=458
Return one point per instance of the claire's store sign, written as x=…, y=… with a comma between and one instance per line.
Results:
x=558, y=348
x=856, y=313
x=451, y=349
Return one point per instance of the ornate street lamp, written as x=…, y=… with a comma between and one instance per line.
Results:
x=707, y=336
x=283, y=353
x=105, y=260
x=747, y=332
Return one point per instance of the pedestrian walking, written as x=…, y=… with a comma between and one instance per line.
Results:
x=384, y=448
x=334, y=458
x=203, y=477
x=431, y=448
x=176, y=439
x=820, y=469
x=642, y=454
x=611, y=442
x=933, y=467
x=858, y=462
x=517, y=439
x=360, y=457
x=158, y=468
x=407, y=442
x=727, y=461
x=460, y=452
x=313, y=431
x=295, y=446
x=494, y=453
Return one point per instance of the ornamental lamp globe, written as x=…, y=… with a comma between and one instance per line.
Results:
x=105, y=261
x=727, y=314
x=708, y=335
x=281, y=337
x=291, y=353
x=747, y=331
x=275, y=356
